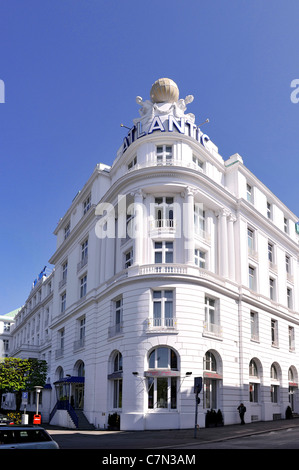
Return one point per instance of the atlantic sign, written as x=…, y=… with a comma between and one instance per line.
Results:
x=171, y=124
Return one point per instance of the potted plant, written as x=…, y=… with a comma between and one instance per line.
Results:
x=114, y=422
x=289, y=413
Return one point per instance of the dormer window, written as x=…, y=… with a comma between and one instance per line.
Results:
x=132, y=163
x=197, y=162
x=269, y=210
x=67, y=230
x=249, y=192
x=87, y=204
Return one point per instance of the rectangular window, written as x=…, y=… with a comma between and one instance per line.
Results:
x=289, y=298
x=251, y=278
x=269, y=210
x=286, y=225
x=291, y=338
x=116, y=324
x=274, y=333
x=197, y=161
x=117, y=393
x=82, y=328
x=254, y=326
x=162, y=392
x=61, y=339
x=132, y=163
x=274, y=393
x=84, y=249
x=83, y=286
x=253, y=392
x=83, y=255
x=164, y=155
x=272, y=288
x=199, y=220
x=212, y=320
x=118, y=305
x=129, y=258
x=64, y=271
x=251, y=243
x=67, y=230
x=87, y=204
x=249, y=193
x=63, y=302
x=163, y=308
x=270, y=253
x=200, y=258
x=288, y=265
x=164, y=212
x=163, y=252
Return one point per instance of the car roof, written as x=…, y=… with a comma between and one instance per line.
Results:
x=20, y=426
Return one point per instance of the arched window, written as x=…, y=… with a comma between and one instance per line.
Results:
x=118, y=363
x=273, y=372
x=274, y=387
x=253, y=371
x=211, y=381
x=210, y=362
x=253, y=382
x=80, y=369
x=162, y=378
x=117, y=379
x=163, y=358
x=293, y=386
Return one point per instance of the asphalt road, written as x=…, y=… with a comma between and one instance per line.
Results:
x=283, y=435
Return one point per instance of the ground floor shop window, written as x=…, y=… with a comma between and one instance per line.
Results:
x=162, y=392
x=116, y=378
x=162, y=379
x=210, y=393
x=253, y=392
x=117, y=393
x=212, y=381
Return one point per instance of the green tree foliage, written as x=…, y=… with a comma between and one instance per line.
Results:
x=18, y=374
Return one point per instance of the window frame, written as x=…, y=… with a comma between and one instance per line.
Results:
x=163, y=316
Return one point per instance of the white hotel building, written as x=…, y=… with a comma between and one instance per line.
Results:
x=172, y=261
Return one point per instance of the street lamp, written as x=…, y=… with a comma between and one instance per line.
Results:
x=38, y=389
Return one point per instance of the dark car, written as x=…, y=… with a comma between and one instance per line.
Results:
x=4, y=420
x=26, y=437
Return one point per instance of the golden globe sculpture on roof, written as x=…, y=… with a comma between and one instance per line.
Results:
x=164, y=90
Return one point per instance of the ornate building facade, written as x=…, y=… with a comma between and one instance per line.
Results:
x=171, y=264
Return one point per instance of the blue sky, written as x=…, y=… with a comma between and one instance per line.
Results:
x=72, y=70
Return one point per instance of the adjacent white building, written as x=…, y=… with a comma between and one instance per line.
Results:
x=170, y=262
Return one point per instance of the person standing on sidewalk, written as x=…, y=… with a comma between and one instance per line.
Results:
x=242, y=410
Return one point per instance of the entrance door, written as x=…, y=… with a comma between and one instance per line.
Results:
x=291, y=397
x=79, y=396
x=210, y=393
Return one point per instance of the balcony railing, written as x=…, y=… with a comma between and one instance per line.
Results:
x=115, y=330
x=82, y=263
x=163, y=269
x=59, y=353
x=212, y=329
x=79, y=344
x=162, y=323
x=62, y=283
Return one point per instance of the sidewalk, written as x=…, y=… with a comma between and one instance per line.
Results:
x=159, y=439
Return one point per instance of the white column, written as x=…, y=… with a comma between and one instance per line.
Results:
x=188, y=227
x=222, y=243
x=139, y=214
x=102, y=242
x=231, y=247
